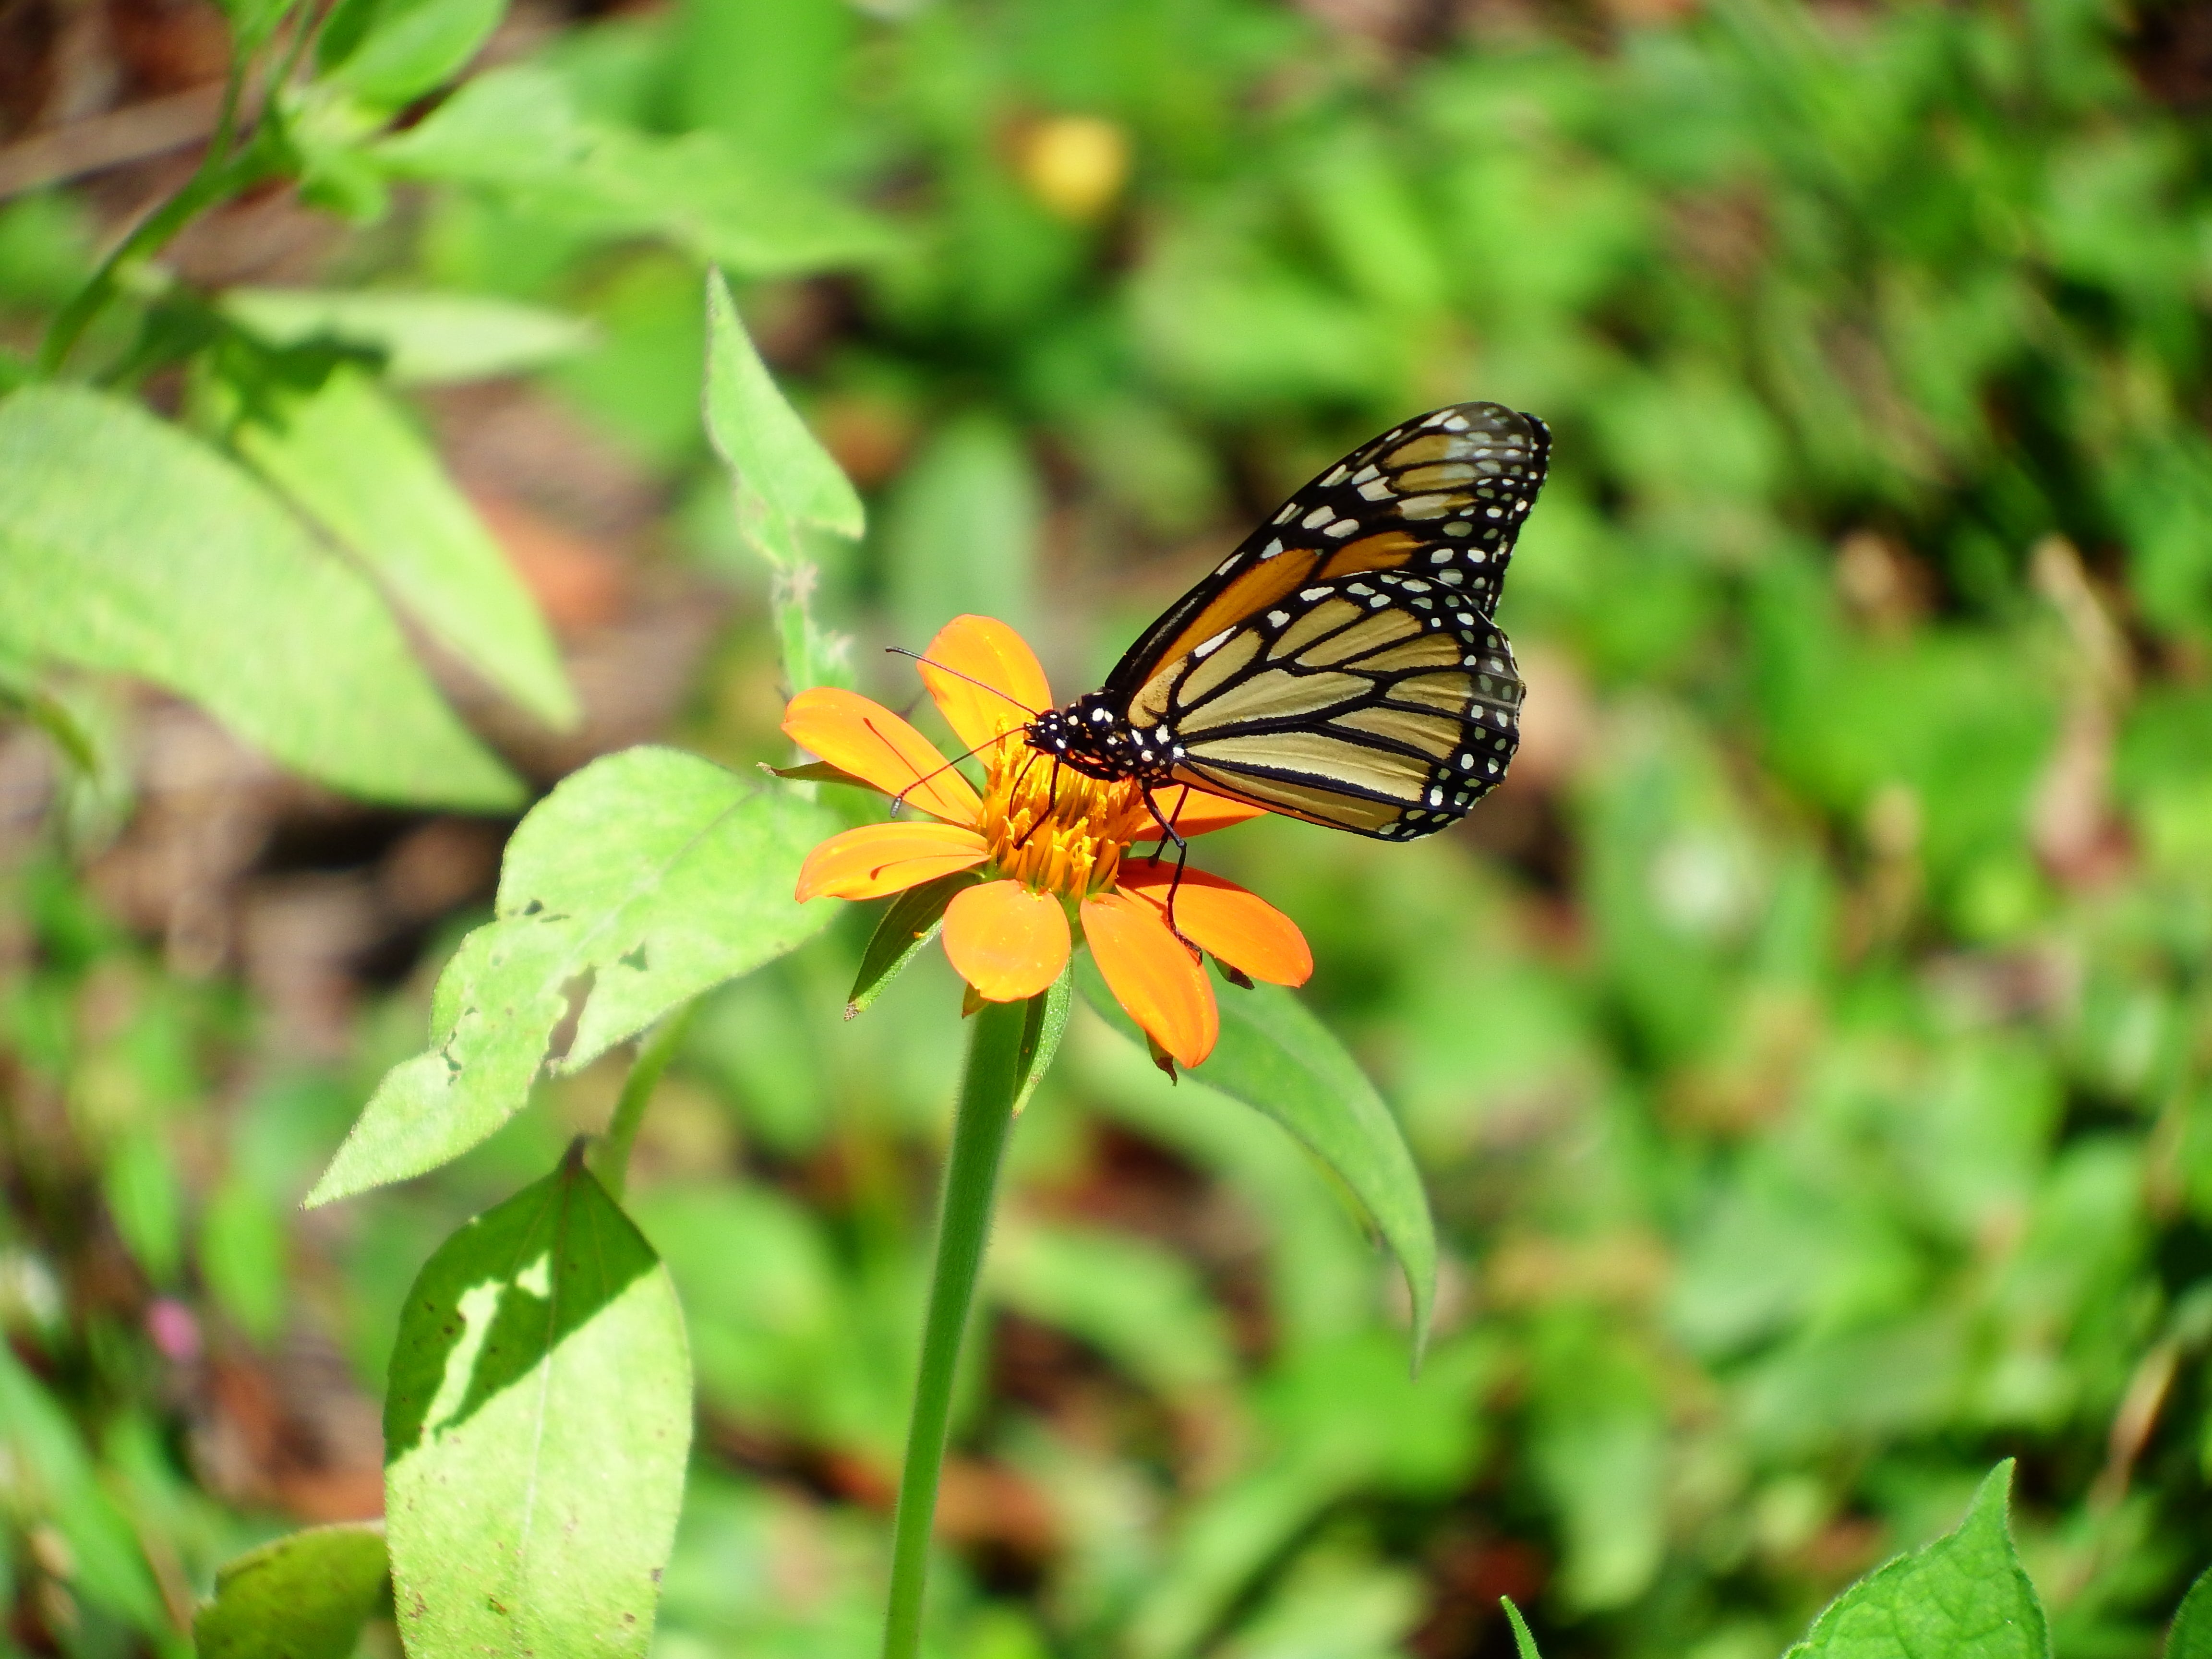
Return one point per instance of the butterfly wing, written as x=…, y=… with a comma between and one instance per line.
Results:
x=1341, y=665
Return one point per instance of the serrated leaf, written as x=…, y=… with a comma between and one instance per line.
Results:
x=354, y=464
x=302, y=1597
x=1523, y=1643
x=536, y=1430
x=1274, y=1055
x=2191, y=1635
x=783, y=477
x=426, y=338
x=909, y=923
x=196, y=578
x=1964, y=1597
x=643, y=879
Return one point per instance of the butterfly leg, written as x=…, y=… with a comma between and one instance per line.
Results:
x=1052, y=795
x=1170, y=833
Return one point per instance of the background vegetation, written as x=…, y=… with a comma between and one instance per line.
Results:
x=1809, y=1050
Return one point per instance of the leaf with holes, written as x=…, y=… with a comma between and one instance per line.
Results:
x=644, y=879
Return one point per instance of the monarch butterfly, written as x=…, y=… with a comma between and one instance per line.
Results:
x=1341, y=665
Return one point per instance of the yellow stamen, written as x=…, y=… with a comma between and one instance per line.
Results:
x=1054, y=829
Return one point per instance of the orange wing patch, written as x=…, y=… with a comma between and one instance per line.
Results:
x=1257, y=588
x=1386, y=551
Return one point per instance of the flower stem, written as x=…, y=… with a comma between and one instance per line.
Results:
x=998, y=1051
x=652, y=1057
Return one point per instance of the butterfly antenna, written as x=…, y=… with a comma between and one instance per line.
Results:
x=901, y=651
x=899, y=799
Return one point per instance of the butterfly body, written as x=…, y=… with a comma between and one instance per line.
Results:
x=1341, y=665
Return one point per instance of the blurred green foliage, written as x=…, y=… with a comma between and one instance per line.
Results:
x=1807, y=1052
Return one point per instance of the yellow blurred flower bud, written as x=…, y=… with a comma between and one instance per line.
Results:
x=1075, y=164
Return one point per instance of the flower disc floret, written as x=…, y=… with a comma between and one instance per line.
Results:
x=1054, y=829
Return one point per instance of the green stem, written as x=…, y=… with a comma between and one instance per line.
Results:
x=215, y=179
x=998, y=1051
x=652, y=1057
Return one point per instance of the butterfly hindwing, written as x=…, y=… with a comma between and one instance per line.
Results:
x=1342, y=666
x=1370, y=710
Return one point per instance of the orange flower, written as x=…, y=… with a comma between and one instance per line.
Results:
x=1049, y=845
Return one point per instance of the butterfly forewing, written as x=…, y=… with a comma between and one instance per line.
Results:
x=1341, y=665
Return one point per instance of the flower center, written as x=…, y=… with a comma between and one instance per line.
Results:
x=1051, y=828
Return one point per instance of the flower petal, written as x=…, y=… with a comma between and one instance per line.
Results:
x=1240, y=928
x=887, y=858
x=866, y=739
x=1196, y=813
x=1006, y=941
x=1151, y=975
x=985, y=649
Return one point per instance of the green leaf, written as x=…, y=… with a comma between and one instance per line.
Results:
x=50, y=1471
x=356, y=466
x=242, y=1257
x=820, y=772
x=303, y=1596
x=1523, y=1643
x=252, y=22
x=390, y=52
x=425, y=338
x=1274, y=1055
x=1135, y=1301
x=536, y=1430
x=644, y=879
x=2191, y=1635
x=783, y=477
x=910, y=922
x=145, y=1194
x=194, y=577
x=21, y=695
x=962, y=530
x=1964, y=1597
x=1041, y=1035
x=516, y=131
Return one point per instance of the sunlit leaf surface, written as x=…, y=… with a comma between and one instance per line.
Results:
x=536, y=1430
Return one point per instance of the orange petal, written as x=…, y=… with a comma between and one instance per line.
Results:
x=1219, y=916
x=875, y=745
x=1004, y=940
x=1013, y=692
x=1195, y=812
x=887, y=858
x=1151, y=975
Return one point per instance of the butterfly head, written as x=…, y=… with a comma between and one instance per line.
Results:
x=1094, y=737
